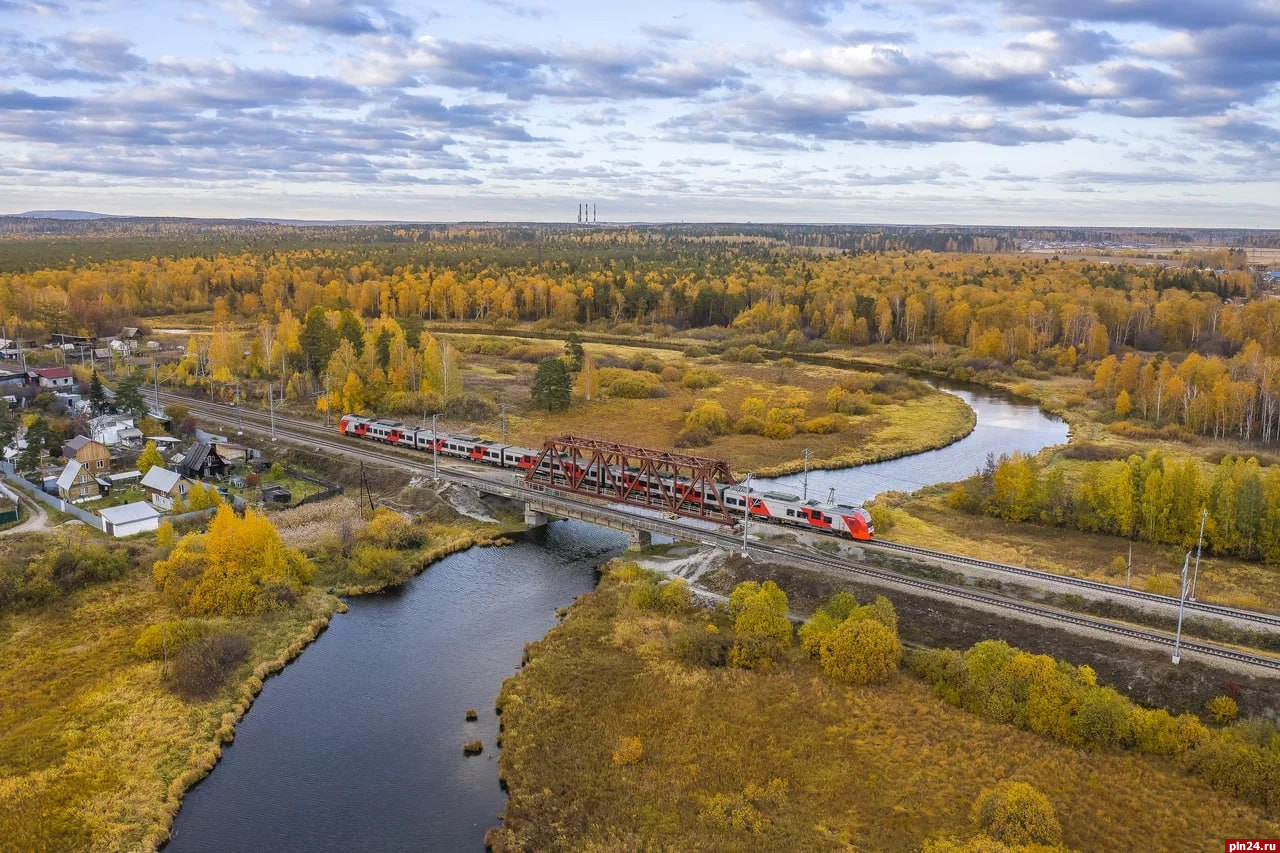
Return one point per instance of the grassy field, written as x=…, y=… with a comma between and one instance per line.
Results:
x=895, y=428
x=878, y=768
x=95, y=750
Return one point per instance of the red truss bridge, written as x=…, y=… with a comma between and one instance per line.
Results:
x=690, y=486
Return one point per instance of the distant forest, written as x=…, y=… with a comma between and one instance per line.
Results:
x=28, y=243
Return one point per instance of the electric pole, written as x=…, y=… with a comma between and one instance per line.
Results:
x=1182, y=603
x=271, y=407
x=503, y=421
x=155, y=382
x=806, y=474
x=326, y=400
x=239, y=421
x=746, y=516
x=435, y=448
x=1195, y=575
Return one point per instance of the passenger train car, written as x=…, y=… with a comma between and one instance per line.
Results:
x=777, y=507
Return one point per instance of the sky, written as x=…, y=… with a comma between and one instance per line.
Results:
x=1054, y=112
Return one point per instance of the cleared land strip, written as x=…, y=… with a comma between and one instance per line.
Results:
x=513, y=487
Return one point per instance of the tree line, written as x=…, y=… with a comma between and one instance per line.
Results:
x=1155, y=498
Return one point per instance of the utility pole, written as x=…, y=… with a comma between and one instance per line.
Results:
x=1182, y=603
x=239, y=420
x=435, y=448
x=746, y=516
x=806, y=474
x=271, y=407
x=1195, y=575
x=155, y=382
x=1128, y=569
x=503, y=410
x=326, y=400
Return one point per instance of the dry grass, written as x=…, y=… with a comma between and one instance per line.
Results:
x=95, y=752
x=928, y=522
x=891, y=430
x=877, y=768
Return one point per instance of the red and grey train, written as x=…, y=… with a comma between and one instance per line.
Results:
x=778, y=507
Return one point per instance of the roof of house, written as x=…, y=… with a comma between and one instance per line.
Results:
x=76, y=443
x=137, y=511
x=68, y=476
x=53, y=373
x=124, y=476
x=160, y=479
x=193, y=458
x=129, y=432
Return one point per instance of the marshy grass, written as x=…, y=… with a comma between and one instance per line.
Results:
x=813, y=764
x=472, y=747
x=472, y=715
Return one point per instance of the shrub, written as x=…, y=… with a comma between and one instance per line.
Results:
x=628, y=751
x=1015, y=813
x=1222, y=709
x=748, y=811
x=163, y=639
x=200, y=667
x=471, y=715
x=383, y=566
x=824, y=425
x=707, y=416
x=252, y=479
x=700, y=646
x=469, y=407
x=749, y=425
x=692, y=438
x=634, y=386
x=701, y=377
x=752, y=407
x=390, y=529
x=760, y=624
x=1117, y=566
x=778, y=430
x=861, y=651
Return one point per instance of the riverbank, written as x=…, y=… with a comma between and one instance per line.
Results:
x=611, y=740
x=96, y=751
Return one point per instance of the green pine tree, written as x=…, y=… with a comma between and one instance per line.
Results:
x=552, y=385
x=574, y=352
x=97, y=394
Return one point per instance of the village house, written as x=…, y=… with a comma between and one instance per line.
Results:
x=202, y=460
x=110, y=429
x=52, y=378
x=76, y=483
x=163, y=487
x=94, y=455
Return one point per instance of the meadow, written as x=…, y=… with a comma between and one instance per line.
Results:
x=611, y=741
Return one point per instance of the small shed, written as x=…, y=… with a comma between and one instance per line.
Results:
x=8, y=504
x=276, y=495
x=129, y=519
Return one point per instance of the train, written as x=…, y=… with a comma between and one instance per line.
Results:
x=769, y=506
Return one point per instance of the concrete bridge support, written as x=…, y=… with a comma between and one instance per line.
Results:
x=638, y=539
x=534, y=518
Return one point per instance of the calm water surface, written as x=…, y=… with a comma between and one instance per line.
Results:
x=357, y=745
x=1003, y=426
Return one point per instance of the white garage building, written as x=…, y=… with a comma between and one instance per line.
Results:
x=126, y=520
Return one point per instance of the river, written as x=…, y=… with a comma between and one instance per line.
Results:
x=1003, y=426
x=357, y=744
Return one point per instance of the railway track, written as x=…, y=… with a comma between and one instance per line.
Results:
x=1267, y=620
x=306, y=432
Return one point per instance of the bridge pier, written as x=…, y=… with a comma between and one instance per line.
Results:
x=534, y=518
x=638, y=539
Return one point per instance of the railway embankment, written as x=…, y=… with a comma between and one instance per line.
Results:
x=1142, y=670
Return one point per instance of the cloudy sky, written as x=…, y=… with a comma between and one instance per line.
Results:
x=974, y=111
